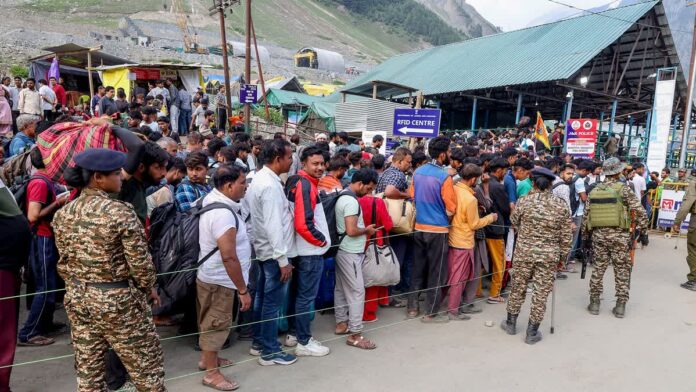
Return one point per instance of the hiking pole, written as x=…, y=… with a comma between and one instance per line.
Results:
x=553, y=305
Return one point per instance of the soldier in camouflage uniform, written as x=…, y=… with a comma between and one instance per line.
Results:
x=108, y=274
x=612, y=244
x=544, y=234
x=688, y=207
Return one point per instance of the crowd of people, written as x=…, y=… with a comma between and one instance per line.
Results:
x=286, y=227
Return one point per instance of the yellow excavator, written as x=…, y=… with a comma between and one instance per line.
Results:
x=190, y=40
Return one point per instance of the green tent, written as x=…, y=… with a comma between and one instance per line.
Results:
x=319, y=118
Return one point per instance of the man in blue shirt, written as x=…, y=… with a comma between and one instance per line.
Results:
x=24, y=140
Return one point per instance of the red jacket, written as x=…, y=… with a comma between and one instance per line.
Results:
x=60, y=94
x=382, y=217
x=310, y=223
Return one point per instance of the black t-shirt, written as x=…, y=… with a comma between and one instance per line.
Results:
x=133, y=191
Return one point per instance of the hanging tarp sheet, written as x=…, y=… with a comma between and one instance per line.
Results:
x=191, y=79
x=117, y=78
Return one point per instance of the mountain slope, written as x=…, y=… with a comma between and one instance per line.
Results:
x=461, y=16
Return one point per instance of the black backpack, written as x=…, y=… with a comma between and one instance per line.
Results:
x=574, y=202
x=328, y=202
x=174, y=247
x=20, y=187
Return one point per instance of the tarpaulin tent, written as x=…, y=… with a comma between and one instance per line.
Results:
x=319, y=118
x=131, y=76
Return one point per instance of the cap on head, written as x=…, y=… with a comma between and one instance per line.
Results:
x=543, y=172
x=100, y=159
x=612, y=166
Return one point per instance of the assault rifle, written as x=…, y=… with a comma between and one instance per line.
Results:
x=586, y=255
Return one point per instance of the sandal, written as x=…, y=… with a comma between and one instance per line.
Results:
x=361, y=342
x=341, y=328
x=222, y=362
x=36, y=341
x=411, y=314
x=222, y=384
x=496, y=300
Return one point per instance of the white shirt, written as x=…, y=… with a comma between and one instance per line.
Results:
x=14, y=96
x=211, y=226
x=47, y=93
x=580, y=188
x=639, y=184
x=153, y=126
x=271, y=219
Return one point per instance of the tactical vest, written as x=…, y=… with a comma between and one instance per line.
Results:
x=607, y=208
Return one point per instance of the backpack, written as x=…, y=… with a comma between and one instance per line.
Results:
x=328, y=202
x=20, y=187
x=574, y=199
x=174, y=247
x=607, y=208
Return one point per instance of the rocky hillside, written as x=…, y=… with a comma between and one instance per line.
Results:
x=282, y=26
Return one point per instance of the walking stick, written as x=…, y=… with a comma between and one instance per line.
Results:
x=553, y=305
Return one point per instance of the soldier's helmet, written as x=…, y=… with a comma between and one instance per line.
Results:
x=612, y=166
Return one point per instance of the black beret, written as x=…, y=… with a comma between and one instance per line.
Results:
x=100, y=160
x=542, y=171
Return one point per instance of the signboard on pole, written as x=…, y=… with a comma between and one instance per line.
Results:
x=661, y=119
x=416, y=122
x=581, y=137
x=247, y=93
x=669, y=205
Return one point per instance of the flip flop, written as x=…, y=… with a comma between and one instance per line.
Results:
x=36, y=341
x=225, y=385
x=222, y=362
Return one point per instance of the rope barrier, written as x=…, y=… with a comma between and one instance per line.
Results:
x=271, y=319
x=195, y=268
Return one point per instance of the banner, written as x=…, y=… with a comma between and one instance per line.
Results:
x=581, y=137
x=660, y=121
x=669, y=205
x=367, y=139
x=541, y=132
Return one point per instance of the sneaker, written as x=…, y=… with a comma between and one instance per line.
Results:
x=281, y=358
x=255, y=351
x=690, y=285
x=313, y=348
x=436, y=319
x=290, y=341
x=561, y=276
x=470, y=309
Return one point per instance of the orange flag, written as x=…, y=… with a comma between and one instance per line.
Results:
x=540, y=131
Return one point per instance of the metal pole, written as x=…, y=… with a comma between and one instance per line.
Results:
x=89, y=77
x=485, y=119
x=630, y=134
x=614, y=104
x=225, y=63
x=569, y=106
x=689, y=100
x=519, y=108
x=674, y=135
x=247, y=64
x=258, y=63
x=473, y=114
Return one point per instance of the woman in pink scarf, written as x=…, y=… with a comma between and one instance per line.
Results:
x=5, y=113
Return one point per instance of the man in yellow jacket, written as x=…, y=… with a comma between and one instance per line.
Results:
x=461, y=238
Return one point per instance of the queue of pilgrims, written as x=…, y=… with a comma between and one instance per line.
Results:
x=286, y=228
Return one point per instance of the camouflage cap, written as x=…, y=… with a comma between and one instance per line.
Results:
x=612, y=166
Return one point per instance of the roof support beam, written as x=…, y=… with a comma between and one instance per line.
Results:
x=612, y=96
x=628, y=61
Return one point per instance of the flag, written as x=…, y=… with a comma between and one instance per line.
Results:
x=540, y=131
x=54, y=71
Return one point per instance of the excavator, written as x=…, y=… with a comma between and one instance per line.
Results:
x=190, y=40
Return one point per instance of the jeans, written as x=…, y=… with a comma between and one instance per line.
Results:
x=403, y=250
x=269, y=297
x=43, y=257
x=303, y=290
x=184, y=121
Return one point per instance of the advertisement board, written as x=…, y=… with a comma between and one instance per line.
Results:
x=670, y=202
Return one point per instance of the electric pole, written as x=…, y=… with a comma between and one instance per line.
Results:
x=219, y=7
x=247, y=64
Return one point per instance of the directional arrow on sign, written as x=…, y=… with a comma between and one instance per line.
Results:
x=407, y=130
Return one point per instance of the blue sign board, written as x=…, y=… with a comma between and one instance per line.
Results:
x=247, y=93
x=416, y=122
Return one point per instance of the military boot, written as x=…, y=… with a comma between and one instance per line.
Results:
x=620, y=309
x=533, y=334
x=510, y=325
x=593, y=307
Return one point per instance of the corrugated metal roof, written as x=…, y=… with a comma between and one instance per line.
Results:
x=548, y=52
x=278, y=97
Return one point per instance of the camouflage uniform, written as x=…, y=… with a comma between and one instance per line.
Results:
x=544, y=234
x=101, y=240
x=611, y=245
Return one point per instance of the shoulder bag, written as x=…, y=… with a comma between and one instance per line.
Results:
x=380, y=266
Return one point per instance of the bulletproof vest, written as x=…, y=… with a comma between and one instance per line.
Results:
x=607, y=208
